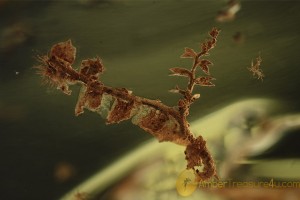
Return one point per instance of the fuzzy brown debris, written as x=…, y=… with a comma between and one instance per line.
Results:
x=256, y=68
x=118, y=104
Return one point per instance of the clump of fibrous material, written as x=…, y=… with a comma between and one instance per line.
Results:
x=117, y=104
x=256, y=68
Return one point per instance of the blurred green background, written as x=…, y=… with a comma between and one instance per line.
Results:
x=138, y=41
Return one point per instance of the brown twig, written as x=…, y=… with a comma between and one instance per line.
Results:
x=118, y=104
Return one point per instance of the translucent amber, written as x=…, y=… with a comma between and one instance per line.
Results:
x=185, y=183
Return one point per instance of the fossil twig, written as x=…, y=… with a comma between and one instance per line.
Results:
x=118, y=104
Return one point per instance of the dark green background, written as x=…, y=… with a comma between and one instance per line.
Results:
x=138, y=42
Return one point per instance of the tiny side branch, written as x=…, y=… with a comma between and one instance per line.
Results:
x=117, y=104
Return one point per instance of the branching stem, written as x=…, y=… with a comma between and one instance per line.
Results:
x=117, y=104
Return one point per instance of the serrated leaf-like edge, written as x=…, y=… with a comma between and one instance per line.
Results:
x=64, y=50
x=204, y=65
x=91, y=68
x=214, y=32
x=188, y=53
x=204, y=81
x=178, y=71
